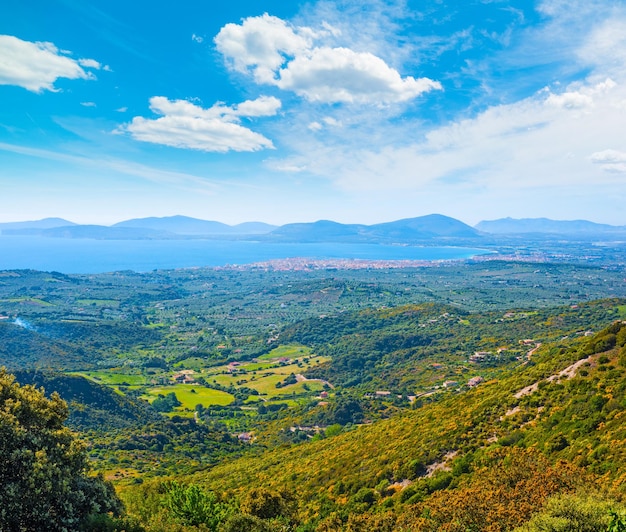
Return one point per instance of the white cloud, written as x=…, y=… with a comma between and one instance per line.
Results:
x=35, y=66
x=581, y=98
x=216, y=129
x=88, y=104
x=197, y=38
x=605, y=46
x=280, y=54
x=89, y=63
x=260, y=45
x=612, y=161
x=608, y=156
x=530, y=144
x=570, y=100
x=332, y=122
x=341, y=75
x=263, y=106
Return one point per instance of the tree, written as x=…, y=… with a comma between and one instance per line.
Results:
x=166, y=403
x=193, y=506
x=580, y=512
x=44, y=485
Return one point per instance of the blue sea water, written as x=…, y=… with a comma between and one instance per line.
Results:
x=99, y=256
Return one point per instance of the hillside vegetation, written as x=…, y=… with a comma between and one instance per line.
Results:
x=475, y=397
x=486, y=459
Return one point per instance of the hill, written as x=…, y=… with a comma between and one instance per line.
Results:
x=92, y=406
x=46, y=223
x=320, y=231
x=125, y=429
x=545, y=225
x=487, y=457
x=184, y=225
x=181, y=225
x=423, y=228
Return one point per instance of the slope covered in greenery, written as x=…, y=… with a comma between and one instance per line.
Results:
x=444, y=465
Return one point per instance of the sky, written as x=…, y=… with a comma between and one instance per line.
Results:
x=357, y=111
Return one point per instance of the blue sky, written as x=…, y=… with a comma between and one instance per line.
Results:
x=356, y=111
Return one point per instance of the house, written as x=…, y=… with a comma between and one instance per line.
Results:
x=245, y=437
x=475, y=381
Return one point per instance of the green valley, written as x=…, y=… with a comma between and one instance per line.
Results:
x=336, y=400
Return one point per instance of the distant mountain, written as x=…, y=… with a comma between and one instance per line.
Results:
x=406, y=230
x=320, y=231
x=97, y=232
x=430, y=226
x=184, y=225
x=253, y=228
x=546, y=225
x=46, y=223
x=180, y=225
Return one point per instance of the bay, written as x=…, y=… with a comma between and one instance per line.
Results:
x=100, y=256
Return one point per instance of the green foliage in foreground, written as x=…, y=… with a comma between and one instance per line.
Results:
x=575, y=512
x=192, y=506
x=44, y=484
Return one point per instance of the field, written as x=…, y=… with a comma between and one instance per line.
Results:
x=260, y=380
x=191, y=395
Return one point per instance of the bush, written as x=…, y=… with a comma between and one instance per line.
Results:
x=192, y=506
x=247, y=523
x=43, y=478
x=564, y=513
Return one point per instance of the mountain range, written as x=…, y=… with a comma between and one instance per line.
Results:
x=545, y=225
x=409, y=230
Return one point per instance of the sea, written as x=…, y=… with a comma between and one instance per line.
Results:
x=69, y=255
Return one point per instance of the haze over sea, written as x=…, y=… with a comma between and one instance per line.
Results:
x=99, y=256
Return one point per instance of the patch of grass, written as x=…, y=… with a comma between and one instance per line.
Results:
x=191, y=395
x=287, y=351
x=31, y=300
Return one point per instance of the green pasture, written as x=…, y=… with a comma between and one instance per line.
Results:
x=288, y=351
x=195, y=363
x=32, y=300
x=266, y=384
x=191, y=395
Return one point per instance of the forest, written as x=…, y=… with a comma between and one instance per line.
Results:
x=457, y=396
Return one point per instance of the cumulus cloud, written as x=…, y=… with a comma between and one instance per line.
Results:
x=261, y=45
x=183, y=124
x=581, y=98
x=36, y=66
x=342, y=75
x=280, y=54
x=612, y=161
x=89, y=63
x=570, y=100
x=527, y=145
